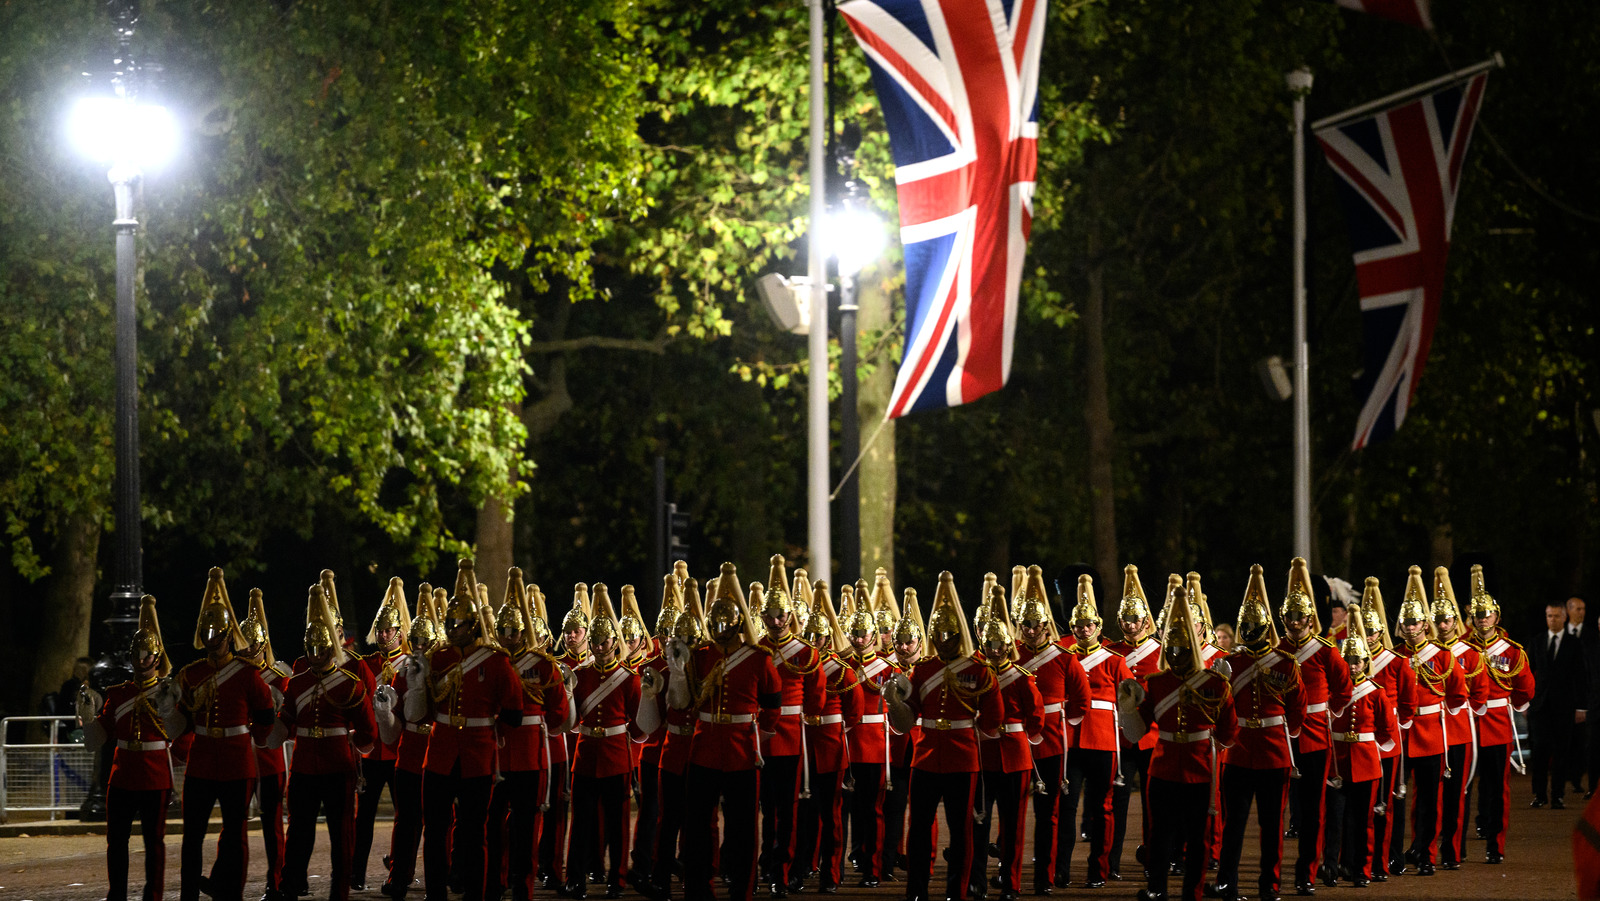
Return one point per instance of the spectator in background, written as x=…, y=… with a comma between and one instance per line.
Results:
x=1223, y=637
x=1586, y=738
x=67, y=694
x=1559, y=705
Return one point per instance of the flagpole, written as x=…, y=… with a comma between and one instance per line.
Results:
x=820, y=562
x=1417, y=90
x=1299, y=82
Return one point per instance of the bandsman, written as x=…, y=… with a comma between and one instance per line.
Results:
x=573, y=654
x=1141, y=651
x=910, y=648
x=1510, y=687
x=820, y=843
x=646, y=651
x=1441, y=686
x=684, y=628
x=1461, y=727
x=869, y=737
x=1358, y=733
x=388, y=634
x=271, y=764
x=1092, y=763
x=1009, y=776
x=1399, y=684
x=408, y=732
x=799, y=667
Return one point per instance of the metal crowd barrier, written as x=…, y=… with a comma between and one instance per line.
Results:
x=52, y=777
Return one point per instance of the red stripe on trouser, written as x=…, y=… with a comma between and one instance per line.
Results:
x=150, y=807
x=1046, y=819
x=1312, y=789
x=269, y=795
x=1425, y=805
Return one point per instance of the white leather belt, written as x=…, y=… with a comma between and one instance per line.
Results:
x=1354, y=736
x=419, y=728
x=219, y=731
x=320, y=731
x=536, y=720
x=1102, y=705
x=685, y=729
x=726, y=717
x=789, y=710
x=824, y=720
x=1012, y=727
x=1317, y=708
x=1431, y=708
x=141, y=745
x=1051, y=708
x=1262, y=723
x=1184, y=737
x=873, y=718
x=463, y=722
x=943, y=725
x=601, y=731
x=1497, y=702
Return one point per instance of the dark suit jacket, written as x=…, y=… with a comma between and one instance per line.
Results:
x=1560, y=685
x=1590, y=642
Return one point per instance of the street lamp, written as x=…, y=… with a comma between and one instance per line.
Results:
x=113, y=127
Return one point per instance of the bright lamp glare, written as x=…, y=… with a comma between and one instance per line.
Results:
x=854, y=238
x=114, y=130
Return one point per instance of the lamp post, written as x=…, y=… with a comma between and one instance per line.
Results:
x=113, y=127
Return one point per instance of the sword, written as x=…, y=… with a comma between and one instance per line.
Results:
x=1399, y=790
x=1444, y=737
x=805, y=758
x=1337, y=781
x=1294, y=767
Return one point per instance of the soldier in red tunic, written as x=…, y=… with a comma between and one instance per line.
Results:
x=388, y=633
x=646, y=775
x=734, y=690
x=468, y=687
x=684, y=627
x=1192, y=710
x=1510, y=687
x=1358, y=733
x=223, y=698
x=870, y=736
x=1142, y=653
x=1393, y=674
x=328, y=711
x=1092, y=762
x=409, y=738
x=956, y=698
x=1441, y=686
x=799, y=667
x=572, y=654
x=1461, y=726
x=820, y=842
x=139, y=715
x=1326, y=681
x=910, y=648
x=1265, y=681
x=271, y=765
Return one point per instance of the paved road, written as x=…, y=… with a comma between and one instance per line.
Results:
x=1538, y=866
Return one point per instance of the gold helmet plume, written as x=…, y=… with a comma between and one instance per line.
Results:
x=603, y=624
x=910, y=627
x=1415, y=604
x=441, y=603
x=776, y=600
x=1174, y=583
x=1373, y=614
x=990, y=580
x=578, y=617
x=858, y=615
x=322, y=630
x=1019, y=589
x=1134, y=606
x=632, y=620
x=147, y=638
x=1354, y=647
x=1482, y=603
x=1178, y=617
x=728, y=607
x=800, y=601
x=1197, y=597
x=1445, y=607
x=216, y=613
x=946, y=616
x=1088, y=607
x=1001, y=628
x=538, y=618
x=393, y=613
x=884, y=610
x=1297, y=600
x=822, y=626
x=690, y=626
x=424, y=633
x=513, y=613
x=325, y=579
x=254, y=627
x=464, y=600
x=1035, y=606
x=671, y=605
x=1256, y=609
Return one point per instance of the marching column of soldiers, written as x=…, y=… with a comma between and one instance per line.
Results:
x=759, y=740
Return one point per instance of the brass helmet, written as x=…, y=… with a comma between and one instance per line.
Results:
x=990, y=580
x=1179, y=632
x=858, y=615
x=603, y=626
x=254, y=627
x=1354, y=647
x=1174, y=584
x=464, y=601
x=980, y=616
x=538, y=618
x=1445, y=607
x=425, y=633
x=1415, y=605
x=671, y=604
x=1482, y=603
x=1134, y=606
x=1298, y=600
x=578, y=617
x=690, y=627
x=513, y=613
x=631, y=618
x=325, y=579
x=1197, y=597
x=441, y=603
x=1088, y=608
x=728, y=614
x=632, y=631
x=1373, y=614
x=147, y=638
x=822, y=626
x=1019, y=590
x=946, y=619
x=996, y=637
x=1035, y=606
x=1255, y=611
x=216, y=613
x=885, y=611
x=322, y=633
x=910, y=627
x=393, y=613
x=776, y=600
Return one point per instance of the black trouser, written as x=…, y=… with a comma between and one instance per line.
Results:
x=1269, y=790
x=737, y=792
x=780, y=792
x=1550, y=740
x=270, y=789
x=333, y=794
x=644, y=830
x=674, y=799
x=1135, y=765
x=598, y=802
x=553, y=840
x=866, y=818
x=894, y=818
x=512, y=832
x=1333, y=812
x=407, y=837
x=375, y=774
x=469, y=796
x=1047, y=817
x=1009, y=793
x=956, y=790
x=1453, y=805
x=150, y=806
x=1088, y=777
x=1311, y=790
x=819, y=838
x=1389, y=825
x=1493, y=788
x=200, y=796
x=1354, y=849
x=1424, y=804
x=1177, y=813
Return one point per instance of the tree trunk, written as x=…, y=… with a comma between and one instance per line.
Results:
x=878, y=473
x=1441, y=539
x=1097, y=421
x=495, y=551
x=67, y=616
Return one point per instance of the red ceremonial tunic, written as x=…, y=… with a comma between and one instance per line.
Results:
x=1440, y=685
x=647, y=750
x=870, y=735
x=1064, y=690
x=1510, y=687
x=731, y=692
x=559, y=750
x=841, y=709
x=219, y=698
x=1143, y=660
x=1360, y=732
x=1393, y=674
x=902, y=745
x=411, y=749
x=329, y=716
x=953, y=701
x=383, y=667
x=142, y=760
x=1105, y=670
x=799, y=665
x=1022, y=720
x=271, y=761
x=1185, y=729
x=607, y=697
x=527, y=745
x=1267, y=701
x=470, y=687
x=676, y=731
x=1460, y=724
x=1326, y=687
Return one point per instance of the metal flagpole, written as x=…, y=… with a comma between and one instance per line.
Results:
x=1300, y=83
x=819, y=540
x=1411, y=93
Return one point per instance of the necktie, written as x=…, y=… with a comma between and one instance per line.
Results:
x=1553, y=638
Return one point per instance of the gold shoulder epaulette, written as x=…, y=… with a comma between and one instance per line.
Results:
x=1326, y=641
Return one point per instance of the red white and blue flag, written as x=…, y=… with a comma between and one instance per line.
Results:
x=958, y=83
x=1406, y=12
x=1399, y=171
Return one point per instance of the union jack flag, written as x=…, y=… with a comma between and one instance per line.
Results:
x=1399, y=172
x=1406, y=12
x=958, y=83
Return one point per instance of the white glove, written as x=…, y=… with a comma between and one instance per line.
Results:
x=897, y=688
x=384, y=699
x=276, y=738
x=88, y=704
x=415, y=669
x=277, y=698
x=173, y=719
x=1223, y=668
x=1130, y=694
x=569, y=677
x=651, y=683
x=678, y=656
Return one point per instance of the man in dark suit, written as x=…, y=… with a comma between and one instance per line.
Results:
x=1586, y=738
x=1559, y=705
